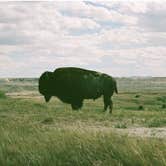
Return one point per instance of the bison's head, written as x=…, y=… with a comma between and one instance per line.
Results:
x=45, y=82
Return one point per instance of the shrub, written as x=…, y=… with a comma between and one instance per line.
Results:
x=2, y=95
x=164, y=106
x=140, y=107
x=137, y=96
x=162, y=99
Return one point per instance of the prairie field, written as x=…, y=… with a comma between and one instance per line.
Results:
x=35, y=133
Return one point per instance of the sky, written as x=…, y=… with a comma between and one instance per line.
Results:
x=119, y=37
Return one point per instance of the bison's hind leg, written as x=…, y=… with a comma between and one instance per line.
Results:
x=77, y=105
x=108, y=102
x=111, y=105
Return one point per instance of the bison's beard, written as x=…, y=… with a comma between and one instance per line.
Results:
x=47, y=98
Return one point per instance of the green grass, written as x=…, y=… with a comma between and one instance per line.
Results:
x=35, y=133
x=157, y=122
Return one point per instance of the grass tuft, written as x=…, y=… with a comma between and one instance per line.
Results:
x=47, y=120
x=157, y=122
x=121, y=125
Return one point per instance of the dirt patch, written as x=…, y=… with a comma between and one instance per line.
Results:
x=132, y=132
x=144, y=132
x=24, y=94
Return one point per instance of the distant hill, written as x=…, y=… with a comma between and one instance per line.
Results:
x=142, y=84
x=125, y=84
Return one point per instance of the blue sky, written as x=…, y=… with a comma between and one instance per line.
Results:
x=121, y=38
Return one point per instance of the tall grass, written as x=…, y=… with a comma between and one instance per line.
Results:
x=78, y=148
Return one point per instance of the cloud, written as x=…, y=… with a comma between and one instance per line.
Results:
x=94, y=12
x=117, y=37
x=149, y=61
x=154, y=18
x=148, y=14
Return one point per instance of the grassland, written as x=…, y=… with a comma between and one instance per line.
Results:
x=36, y=133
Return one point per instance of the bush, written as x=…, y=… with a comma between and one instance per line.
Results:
x=140, y=107
x=164, y=106
x=162, y=99
x=137, y=96
x=2, y=95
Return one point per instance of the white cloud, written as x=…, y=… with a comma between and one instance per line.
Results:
x=99, y=14
x=154, y=18
x=148, y=14
x=38, y=36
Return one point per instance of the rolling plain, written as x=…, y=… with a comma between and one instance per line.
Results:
x=33, y=132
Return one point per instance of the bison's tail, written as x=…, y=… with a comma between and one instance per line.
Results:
x=115, y=88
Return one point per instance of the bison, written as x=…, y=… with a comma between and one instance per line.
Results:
x=72, y=85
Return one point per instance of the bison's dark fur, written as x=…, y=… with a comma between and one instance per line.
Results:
x=73, y=85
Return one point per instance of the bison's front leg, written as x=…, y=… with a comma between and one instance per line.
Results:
x=106, y=102
x=77, y=105
x=74, y=107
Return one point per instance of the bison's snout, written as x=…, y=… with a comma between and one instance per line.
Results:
x=47, y=98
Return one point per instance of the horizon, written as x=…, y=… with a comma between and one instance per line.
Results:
x=122, y=39
x=133, y=77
